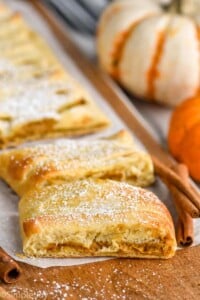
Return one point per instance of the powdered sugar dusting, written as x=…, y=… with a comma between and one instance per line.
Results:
x=74, y=152
x=121, y=280
x=33, y=85
x=87, y=200
x=80, y=159
x=30, y=99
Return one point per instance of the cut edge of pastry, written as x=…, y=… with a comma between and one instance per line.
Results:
x=87, y=120
x=35, y=242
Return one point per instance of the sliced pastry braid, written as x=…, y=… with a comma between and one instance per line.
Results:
x=94, y=217
x=46, y=164
x=38, y=98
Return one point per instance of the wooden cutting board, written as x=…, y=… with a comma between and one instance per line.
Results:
x=177, y=278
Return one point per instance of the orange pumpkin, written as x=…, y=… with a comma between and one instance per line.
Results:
x=184, y=135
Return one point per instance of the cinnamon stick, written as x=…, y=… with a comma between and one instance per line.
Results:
x=185, y=228
x=185, y=207
x=183, y=202
x=9, y=269
x=185, y=231
x=4, y=295
x=190, y=199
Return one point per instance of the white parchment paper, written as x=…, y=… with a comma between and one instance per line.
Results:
x=156, y=116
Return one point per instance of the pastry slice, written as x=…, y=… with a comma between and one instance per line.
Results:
x=46, y=164
x=44, y=107
x=95, y=218
x=38, y=98
x=49, y=106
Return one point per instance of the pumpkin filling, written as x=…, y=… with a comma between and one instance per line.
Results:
x=143, y=248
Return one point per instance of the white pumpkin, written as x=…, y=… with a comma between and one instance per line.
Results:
x=154, y=54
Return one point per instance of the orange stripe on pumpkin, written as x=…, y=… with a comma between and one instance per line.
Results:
x=120, y=44
x=198, y=32
x=153, y=72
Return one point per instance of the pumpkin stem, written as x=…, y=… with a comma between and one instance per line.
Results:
x=172, y=5
x=178, y=4
x=186, y=7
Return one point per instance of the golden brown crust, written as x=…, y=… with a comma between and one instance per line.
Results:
x=45, y=164
x=95, y=218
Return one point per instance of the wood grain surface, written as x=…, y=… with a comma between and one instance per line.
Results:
x=177, y=278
